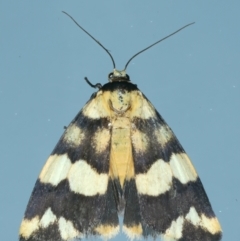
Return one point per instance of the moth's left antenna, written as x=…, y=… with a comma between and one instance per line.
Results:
x=91, y=37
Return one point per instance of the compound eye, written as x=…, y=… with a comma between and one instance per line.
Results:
x=110, y=75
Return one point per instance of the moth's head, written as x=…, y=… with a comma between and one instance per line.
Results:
x=118, y=76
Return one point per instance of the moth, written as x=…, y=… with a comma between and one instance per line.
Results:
x=118, y=155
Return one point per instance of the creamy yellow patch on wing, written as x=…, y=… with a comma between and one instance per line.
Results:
x=163, y=134
x=98, y=107
x=139, y=140
x=141, y=107
x=83, y=179
x=174, y=232
x=56, y=169
x=182, y=168
x=107, y=231
x=67, y=230
x=48, y=218
x=121, y=159
x=101, y=139
x=73, y=135
x=211, y=224
x=157, y=180
x=29, y=226
x=133, y=232
x=148, y=110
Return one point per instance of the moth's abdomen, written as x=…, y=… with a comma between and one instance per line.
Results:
x=121, y=159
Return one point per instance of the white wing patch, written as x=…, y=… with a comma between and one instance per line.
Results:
x=174, y=232
x=55, y=169
x=210, y=224
x=156, y=181
x=48, y=218
x=182, y=168
x=83, y=179
x=67, y=229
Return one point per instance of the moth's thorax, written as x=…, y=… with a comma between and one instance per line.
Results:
x=119, y=101
x=119, y=98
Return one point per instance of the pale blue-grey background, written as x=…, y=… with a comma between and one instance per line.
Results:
x=191, y=78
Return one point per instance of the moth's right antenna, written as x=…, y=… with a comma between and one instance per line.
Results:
x=156, y=43
x=91, y=37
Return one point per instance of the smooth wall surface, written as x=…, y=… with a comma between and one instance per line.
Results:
x=192, y=78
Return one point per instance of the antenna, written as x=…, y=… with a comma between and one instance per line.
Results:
x=91, y=37
x=134, y=54
x=156, y=43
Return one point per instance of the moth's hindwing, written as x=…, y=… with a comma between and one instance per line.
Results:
x=118, y=153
